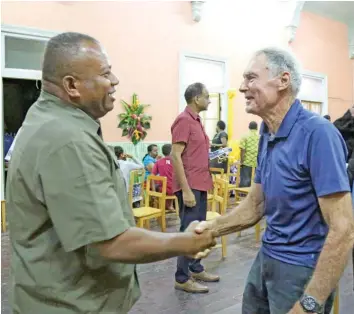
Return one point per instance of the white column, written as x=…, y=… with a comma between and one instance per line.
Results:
x=295, y=8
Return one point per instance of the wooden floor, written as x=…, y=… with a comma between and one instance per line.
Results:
x=225, y=297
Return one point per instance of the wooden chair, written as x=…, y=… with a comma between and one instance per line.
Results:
x=143, y=215
x=241, y=194
x=3, y=216
x=219, y=198
x=232, y=187
x=215, y=173
x=336, y=303
x=168, y=197
x=218, y=172
x=175, y=200
x=136, y=186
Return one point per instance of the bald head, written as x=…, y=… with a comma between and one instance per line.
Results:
x=62, y=51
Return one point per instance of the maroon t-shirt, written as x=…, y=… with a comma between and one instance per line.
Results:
x=188, y=129
x=163, y=167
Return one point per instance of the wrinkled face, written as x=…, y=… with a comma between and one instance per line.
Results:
x=92, y=84
x=202, y=101
x=154, y=152
x=262, y=91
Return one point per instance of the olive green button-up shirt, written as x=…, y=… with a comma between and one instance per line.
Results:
x=65, y=191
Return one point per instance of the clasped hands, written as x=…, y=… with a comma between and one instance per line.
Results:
x=204, y=239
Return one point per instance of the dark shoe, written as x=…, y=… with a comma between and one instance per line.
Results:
x=191, y=286
x=206, y=277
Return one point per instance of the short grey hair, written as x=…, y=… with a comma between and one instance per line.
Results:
x=281, y=60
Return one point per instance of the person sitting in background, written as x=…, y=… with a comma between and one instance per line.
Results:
x=150, y=159
x=219, y=141
x=127, y=163
x=163, y=167
x=327, y=117
x=8, y=142
x=249, y=152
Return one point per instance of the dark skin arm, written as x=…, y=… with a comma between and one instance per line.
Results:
x=223, y=143
x=137, y=245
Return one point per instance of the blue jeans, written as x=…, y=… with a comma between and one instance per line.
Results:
x=273, y=287
x=187, y=215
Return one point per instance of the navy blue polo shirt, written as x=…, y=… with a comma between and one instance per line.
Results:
x=304, y=160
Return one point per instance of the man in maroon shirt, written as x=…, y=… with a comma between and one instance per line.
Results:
x=191, y=180
x=163, y=167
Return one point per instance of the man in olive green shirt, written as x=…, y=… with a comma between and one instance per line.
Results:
x=72, y=232
x=249, y=152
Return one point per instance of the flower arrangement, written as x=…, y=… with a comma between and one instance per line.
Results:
x=134, y=122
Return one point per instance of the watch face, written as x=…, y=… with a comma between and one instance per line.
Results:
x=309, y=303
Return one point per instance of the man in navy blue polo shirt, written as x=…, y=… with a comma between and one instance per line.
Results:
x=302, y=189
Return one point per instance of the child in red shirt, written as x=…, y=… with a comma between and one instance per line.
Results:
x=163, y=167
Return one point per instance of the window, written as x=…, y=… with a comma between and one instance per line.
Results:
x=312, y=106
x=23, y=53
x=313, y=92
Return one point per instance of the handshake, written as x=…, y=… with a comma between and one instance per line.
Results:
x=203, y=239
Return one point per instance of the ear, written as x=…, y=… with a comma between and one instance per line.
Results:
x=71, y=85
x=284, y=81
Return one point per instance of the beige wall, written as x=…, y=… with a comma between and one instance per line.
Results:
x=144, y=39
x=322, y=46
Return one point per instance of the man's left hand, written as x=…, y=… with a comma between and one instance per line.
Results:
x=297, y=309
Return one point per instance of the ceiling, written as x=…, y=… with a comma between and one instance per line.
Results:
x=342, y=11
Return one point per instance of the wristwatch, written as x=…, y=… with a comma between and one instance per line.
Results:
x=310, y=305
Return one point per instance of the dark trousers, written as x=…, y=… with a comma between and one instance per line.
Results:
x=187, y=215
x=245, y=176
x=273, y=287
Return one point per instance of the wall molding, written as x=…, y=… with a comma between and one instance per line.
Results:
x=27, y=31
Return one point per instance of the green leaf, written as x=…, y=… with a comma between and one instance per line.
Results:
x=122, y=116
x=146, y=125
x=135, y=140
x=126, y=107
x=139, y=110
x=125, y=132
x=144, y=135
x=123, y=124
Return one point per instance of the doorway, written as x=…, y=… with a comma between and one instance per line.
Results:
x=21, y=57
x=18, y=96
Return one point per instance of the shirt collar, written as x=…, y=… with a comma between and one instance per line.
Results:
x=193, y=114
x=288, y=121
x=76, y=113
